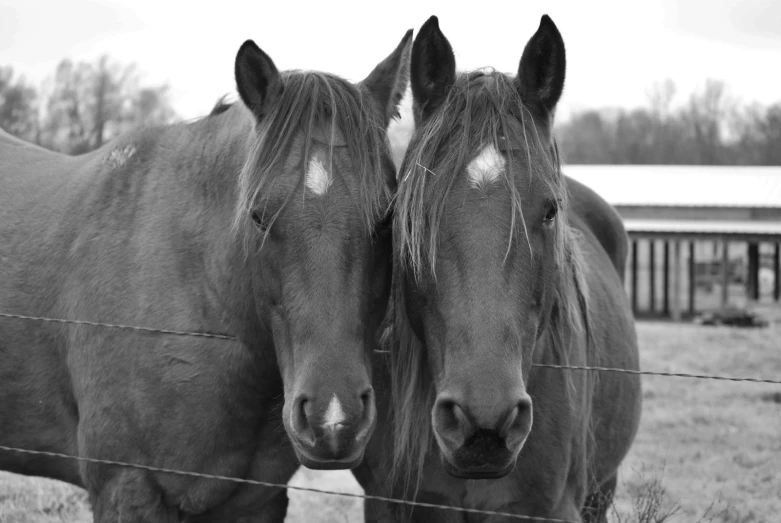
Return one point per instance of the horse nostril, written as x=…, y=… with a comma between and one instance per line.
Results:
x=367, y=416
x=367, y=399
x=451, y=422
x=461, y=418
x=517, y=424
x=299, y=421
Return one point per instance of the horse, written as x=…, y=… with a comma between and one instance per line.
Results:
x=251, y=224
x=502, y=268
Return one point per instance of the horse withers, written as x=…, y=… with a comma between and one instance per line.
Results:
x=265, y=222
x=497, y=273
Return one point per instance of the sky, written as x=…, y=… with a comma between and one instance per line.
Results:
x=615, y=50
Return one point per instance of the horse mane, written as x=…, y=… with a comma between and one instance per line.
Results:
x=479, y=104
x=310, y=101
x=220, y=107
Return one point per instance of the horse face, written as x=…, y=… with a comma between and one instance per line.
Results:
x=482, y=317
x=482, y=309
x=322, y=280
x=322, y=247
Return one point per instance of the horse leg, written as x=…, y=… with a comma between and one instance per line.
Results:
x=264, y=509
x=131, y=496
x=598, y=503
x=375, y=511
x=272, y=510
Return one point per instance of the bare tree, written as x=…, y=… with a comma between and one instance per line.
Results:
x=587, y=138
x=17, y=105
x=660, y=96
x=711, y=128
x=150, y=105
x=92, y=103
x=706, y=114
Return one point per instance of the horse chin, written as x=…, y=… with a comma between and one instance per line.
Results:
x=484, y=472
x=339, y=464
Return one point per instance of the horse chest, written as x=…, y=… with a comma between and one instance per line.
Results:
x=491, y=494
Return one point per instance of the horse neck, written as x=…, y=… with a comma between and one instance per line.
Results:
x=212, y=161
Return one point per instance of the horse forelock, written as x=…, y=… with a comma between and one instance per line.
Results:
x=313, y=102
x=484, y=104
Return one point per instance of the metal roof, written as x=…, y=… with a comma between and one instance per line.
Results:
x=682, y=185
x=760, y=229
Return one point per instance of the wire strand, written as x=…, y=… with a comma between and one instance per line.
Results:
x=658, y=373
x=543, y=365
x=316, y=490
x=118, y=326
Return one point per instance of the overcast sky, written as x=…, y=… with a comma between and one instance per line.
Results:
x=615, y=50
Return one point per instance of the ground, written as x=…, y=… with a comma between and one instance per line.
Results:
x=701, y=443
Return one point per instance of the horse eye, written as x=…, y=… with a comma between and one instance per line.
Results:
x=257, y=217
x=553, y=209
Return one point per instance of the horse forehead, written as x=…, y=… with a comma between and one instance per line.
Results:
x=486, y=167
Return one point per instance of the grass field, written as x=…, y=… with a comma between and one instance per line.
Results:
x=702, y=444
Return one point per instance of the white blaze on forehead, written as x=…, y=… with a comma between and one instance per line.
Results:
x=318, y=179
x=334, y=414
x=486, y=167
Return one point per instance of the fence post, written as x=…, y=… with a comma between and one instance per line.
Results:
x=634, y=276
x=777, y=273
x=652, y=275
x=724, y=273
x=666, y=279
x=692, y=276
x=752, y=280
x=676, y=277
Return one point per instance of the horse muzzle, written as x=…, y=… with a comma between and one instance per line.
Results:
x=480, y=443
x=331, y=436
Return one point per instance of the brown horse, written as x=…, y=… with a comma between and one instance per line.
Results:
x=498, y=272
x=265, y=222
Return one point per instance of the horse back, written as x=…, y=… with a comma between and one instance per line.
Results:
x=602, y=220
x=110, y=236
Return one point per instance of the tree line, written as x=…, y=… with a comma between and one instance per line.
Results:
x=82, y=105
x=708, y=128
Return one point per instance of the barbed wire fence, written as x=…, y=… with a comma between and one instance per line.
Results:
x=317, y=490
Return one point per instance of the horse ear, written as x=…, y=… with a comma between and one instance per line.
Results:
x=388, y=81
x=543, y=65
x=257, y=79
x=433, y=69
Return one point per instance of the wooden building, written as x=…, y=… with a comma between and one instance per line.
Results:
x=694, y=227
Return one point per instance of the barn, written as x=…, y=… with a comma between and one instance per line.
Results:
x=702, y=237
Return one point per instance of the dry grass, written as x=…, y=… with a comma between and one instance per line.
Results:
x=33, y=500
x=707, y=451
x=710, y=440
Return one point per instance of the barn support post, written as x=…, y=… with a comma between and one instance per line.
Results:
x=652, y=275
x=675, y=312
x=666, y=279
x=724, y=273
x=634, y=276
x=692, y=277
x=777, y=273
x=752, y=278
